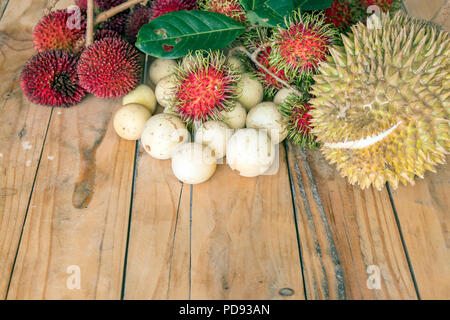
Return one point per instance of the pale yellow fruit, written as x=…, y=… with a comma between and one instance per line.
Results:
x=171, y=110
x=281, y=96
x=193, y=163
x=162, y=134
x=250, y=152
x=166, y=91
x=250, y=91
x=235, y=118
x=237, y=64
x=143, y=95
x=214, y=134
x=129, y=121
x=267, y=116
x=161, y=68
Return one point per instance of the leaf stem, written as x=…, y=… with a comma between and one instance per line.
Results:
x=105, y=15
x=253, y=57
x=90, y=23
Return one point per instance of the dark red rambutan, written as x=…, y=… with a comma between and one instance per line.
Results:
x=49, y=78
x=295, y=111
x=301, y=46
x=117, y=23
x=271, y=85
x=140, y=16
x=339, y=14
x=81, y=3
x=230, y=8
x=385, y=5
x=108, y=4
x=109, y=68
x=206, y=85
x=60, y=29
x=161, y=7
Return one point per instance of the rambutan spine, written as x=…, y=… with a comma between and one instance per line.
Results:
x=109, y=68
x=57, y=31
x=49, y=78
x=140, y=16
x=205, y=86
x=302, y=45
x=230, y=8
x=339, y=14
x=161, y=7
x=295, y=111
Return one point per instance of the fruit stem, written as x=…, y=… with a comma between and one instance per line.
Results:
x=253, y=57
x=102, y=17
x=90, y=23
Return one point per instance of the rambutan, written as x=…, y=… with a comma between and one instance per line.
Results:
x=302, y=45
x=339, y=14
x=230, y=8
x=117, y=23
x=161, y=7
x=295, y=111
x=81, y=3
x=49, y=78
x=109, y=68
x=271, y=85
x=56, y=31
x=108, y=4
x=205, y=86
x=140, y=16
x=385, y=5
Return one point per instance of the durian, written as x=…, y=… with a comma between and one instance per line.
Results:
x=381, y=106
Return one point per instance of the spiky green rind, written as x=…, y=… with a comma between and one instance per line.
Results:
x=194, y=66
x=293, y=111
x=320, y=33
x=392, y=82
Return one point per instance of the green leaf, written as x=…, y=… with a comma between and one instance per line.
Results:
x=250, y=5
x=271, y=12
x=309, y=5
x=174, y=34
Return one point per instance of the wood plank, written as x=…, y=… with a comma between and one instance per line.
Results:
x=22, y=129
x=423, y=9
x=158, y=250
x=423, y=212
x=79, y=209
x=343, y=231
x=244, y=243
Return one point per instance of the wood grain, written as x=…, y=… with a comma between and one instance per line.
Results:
x=158, y=251
x=244, y=243
x=423, y=212
x=22, y=129
x=79, y=209
x=343, y=231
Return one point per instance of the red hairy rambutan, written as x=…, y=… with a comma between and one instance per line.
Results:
x=302, y=45
x=205, y=86
x=81, y=3
x=339, y=14
x=271, y=85
x=230, y=8
x=49, y=78
x=117, y=23
x=108, y=4
x=109, y=68
x=59, y=30
x=161, y=7
x=295, y=111
x=99, y=35
x=385, y=5
x=140, y=16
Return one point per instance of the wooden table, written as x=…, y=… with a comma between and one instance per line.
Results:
x=75, y=197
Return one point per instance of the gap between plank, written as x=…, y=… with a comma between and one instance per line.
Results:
x=28, y=204
x=291, y=183
x=3, y=9
x=173, y=240
x=405, y=249
x=190, y=243
x=133, y=184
